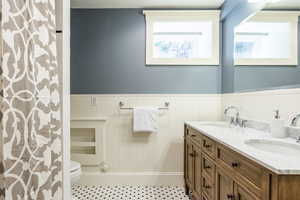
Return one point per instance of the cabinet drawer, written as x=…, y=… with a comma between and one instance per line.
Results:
x=194, y=135
x=250, y=171
x=208, y=167
x=245, y=170
x=209, y=146
x=226, y=157
x=242, y=194
x=208, y=188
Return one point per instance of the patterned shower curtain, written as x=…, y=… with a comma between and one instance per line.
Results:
x=30, y=129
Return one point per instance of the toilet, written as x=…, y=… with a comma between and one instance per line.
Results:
x=75, y=171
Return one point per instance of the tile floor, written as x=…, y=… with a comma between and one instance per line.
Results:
x=127, y=193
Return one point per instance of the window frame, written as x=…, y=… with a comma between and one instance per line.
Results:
x=273, y=16
x=152, y=16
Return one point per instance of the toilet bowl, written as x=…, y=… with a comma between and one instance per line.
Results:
x=75, y=171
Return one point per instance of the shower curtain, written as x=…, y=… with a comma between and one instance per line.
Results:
x=30, y=128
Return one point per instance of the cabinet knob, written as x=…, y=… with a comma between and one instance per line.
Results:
x=192, y=154
x=206, y=145
x=235, y=164
x=193, y=135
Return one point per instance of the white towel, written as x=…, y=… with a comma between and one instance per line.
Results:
x=145, y=119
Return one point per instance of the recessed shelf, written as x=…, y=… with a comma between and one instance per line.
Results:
x=85, y=140
x=89, y=119
x=83, y=150
x=83, y=144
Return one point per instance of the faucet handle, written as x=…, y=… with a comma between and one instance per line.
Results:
x=232, y=120
x=243, y=123
x=295, y=120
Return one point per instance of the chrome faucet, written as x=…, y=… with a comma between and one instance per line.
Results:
x=233, y=120
x=294, y=123
x=295, y=120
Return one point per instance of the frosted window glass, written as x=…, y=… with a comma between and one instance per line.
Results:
x=182, y=40
x=263, y=40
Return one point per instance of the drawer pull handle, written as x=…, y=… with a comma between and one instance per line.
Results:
x=205, y=144
x=193, y=135
x=207, y=167
x=230, y=197
x=192, y=155
x=235, y=164
x=206, y=186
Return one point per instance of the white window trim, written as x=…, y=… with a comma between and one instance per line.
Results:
x=171, y=15
x=275, y=16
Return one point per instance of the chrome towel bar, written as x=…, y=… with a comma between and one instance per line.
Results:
x=121, y=105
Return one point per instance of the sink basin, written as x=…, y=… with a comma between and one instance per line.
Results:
x=216, y=124
x=275, y=147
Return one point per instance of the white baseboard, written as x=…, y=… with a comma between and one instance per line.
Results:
x=133, y=179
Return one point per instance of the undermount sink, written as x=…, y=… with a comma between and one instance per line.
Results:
x=216, y=124
x=276, y=147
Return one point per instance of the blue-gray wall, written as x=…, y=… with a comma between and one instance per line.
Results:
x=108, y=56
x=250, y=78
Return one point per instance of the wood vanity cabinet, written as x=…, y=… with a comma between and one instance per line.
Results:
x=228, y=189
x=224, y=185
x=213, y=171
x=193, y=167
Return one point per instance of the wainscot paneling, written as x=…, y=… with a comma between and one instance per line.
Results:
x=144, y=159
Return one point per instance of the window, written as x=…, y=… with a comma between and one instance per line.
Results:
x=182, y=37
x=269, y=38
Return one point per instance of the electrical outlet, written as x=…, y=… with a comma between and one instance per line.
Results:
x=93, y=101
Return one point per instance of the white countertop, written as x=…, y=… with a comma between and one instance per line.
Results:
x=234, y=138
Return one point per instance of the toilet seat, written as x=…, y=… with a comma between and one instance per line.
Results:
x=75, y=166
x=75, y=171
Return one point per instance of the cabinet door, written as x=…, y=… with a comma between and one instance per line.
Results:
x=190, y=164
x=197, y=171
x=224, y=186
x=242, y=194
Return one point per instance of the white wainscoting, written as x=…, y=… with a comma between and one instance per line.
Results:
x=260, y=105
x=133, y=159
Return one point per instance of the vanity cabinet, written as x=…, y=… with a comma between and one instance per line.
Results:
x=189, y=164
x=214, y=171
x=243, y=194
x=193, y=167
x=199, y=169
x=224, y=185
x=228, y=189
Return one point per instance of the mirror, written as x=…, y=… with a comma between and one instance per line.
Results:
x=234, y=12
x=267, y=38
x=266, y=50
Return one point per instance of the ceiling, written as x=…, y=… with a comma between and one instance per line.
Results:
x=285, y=4
x=146, y=3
